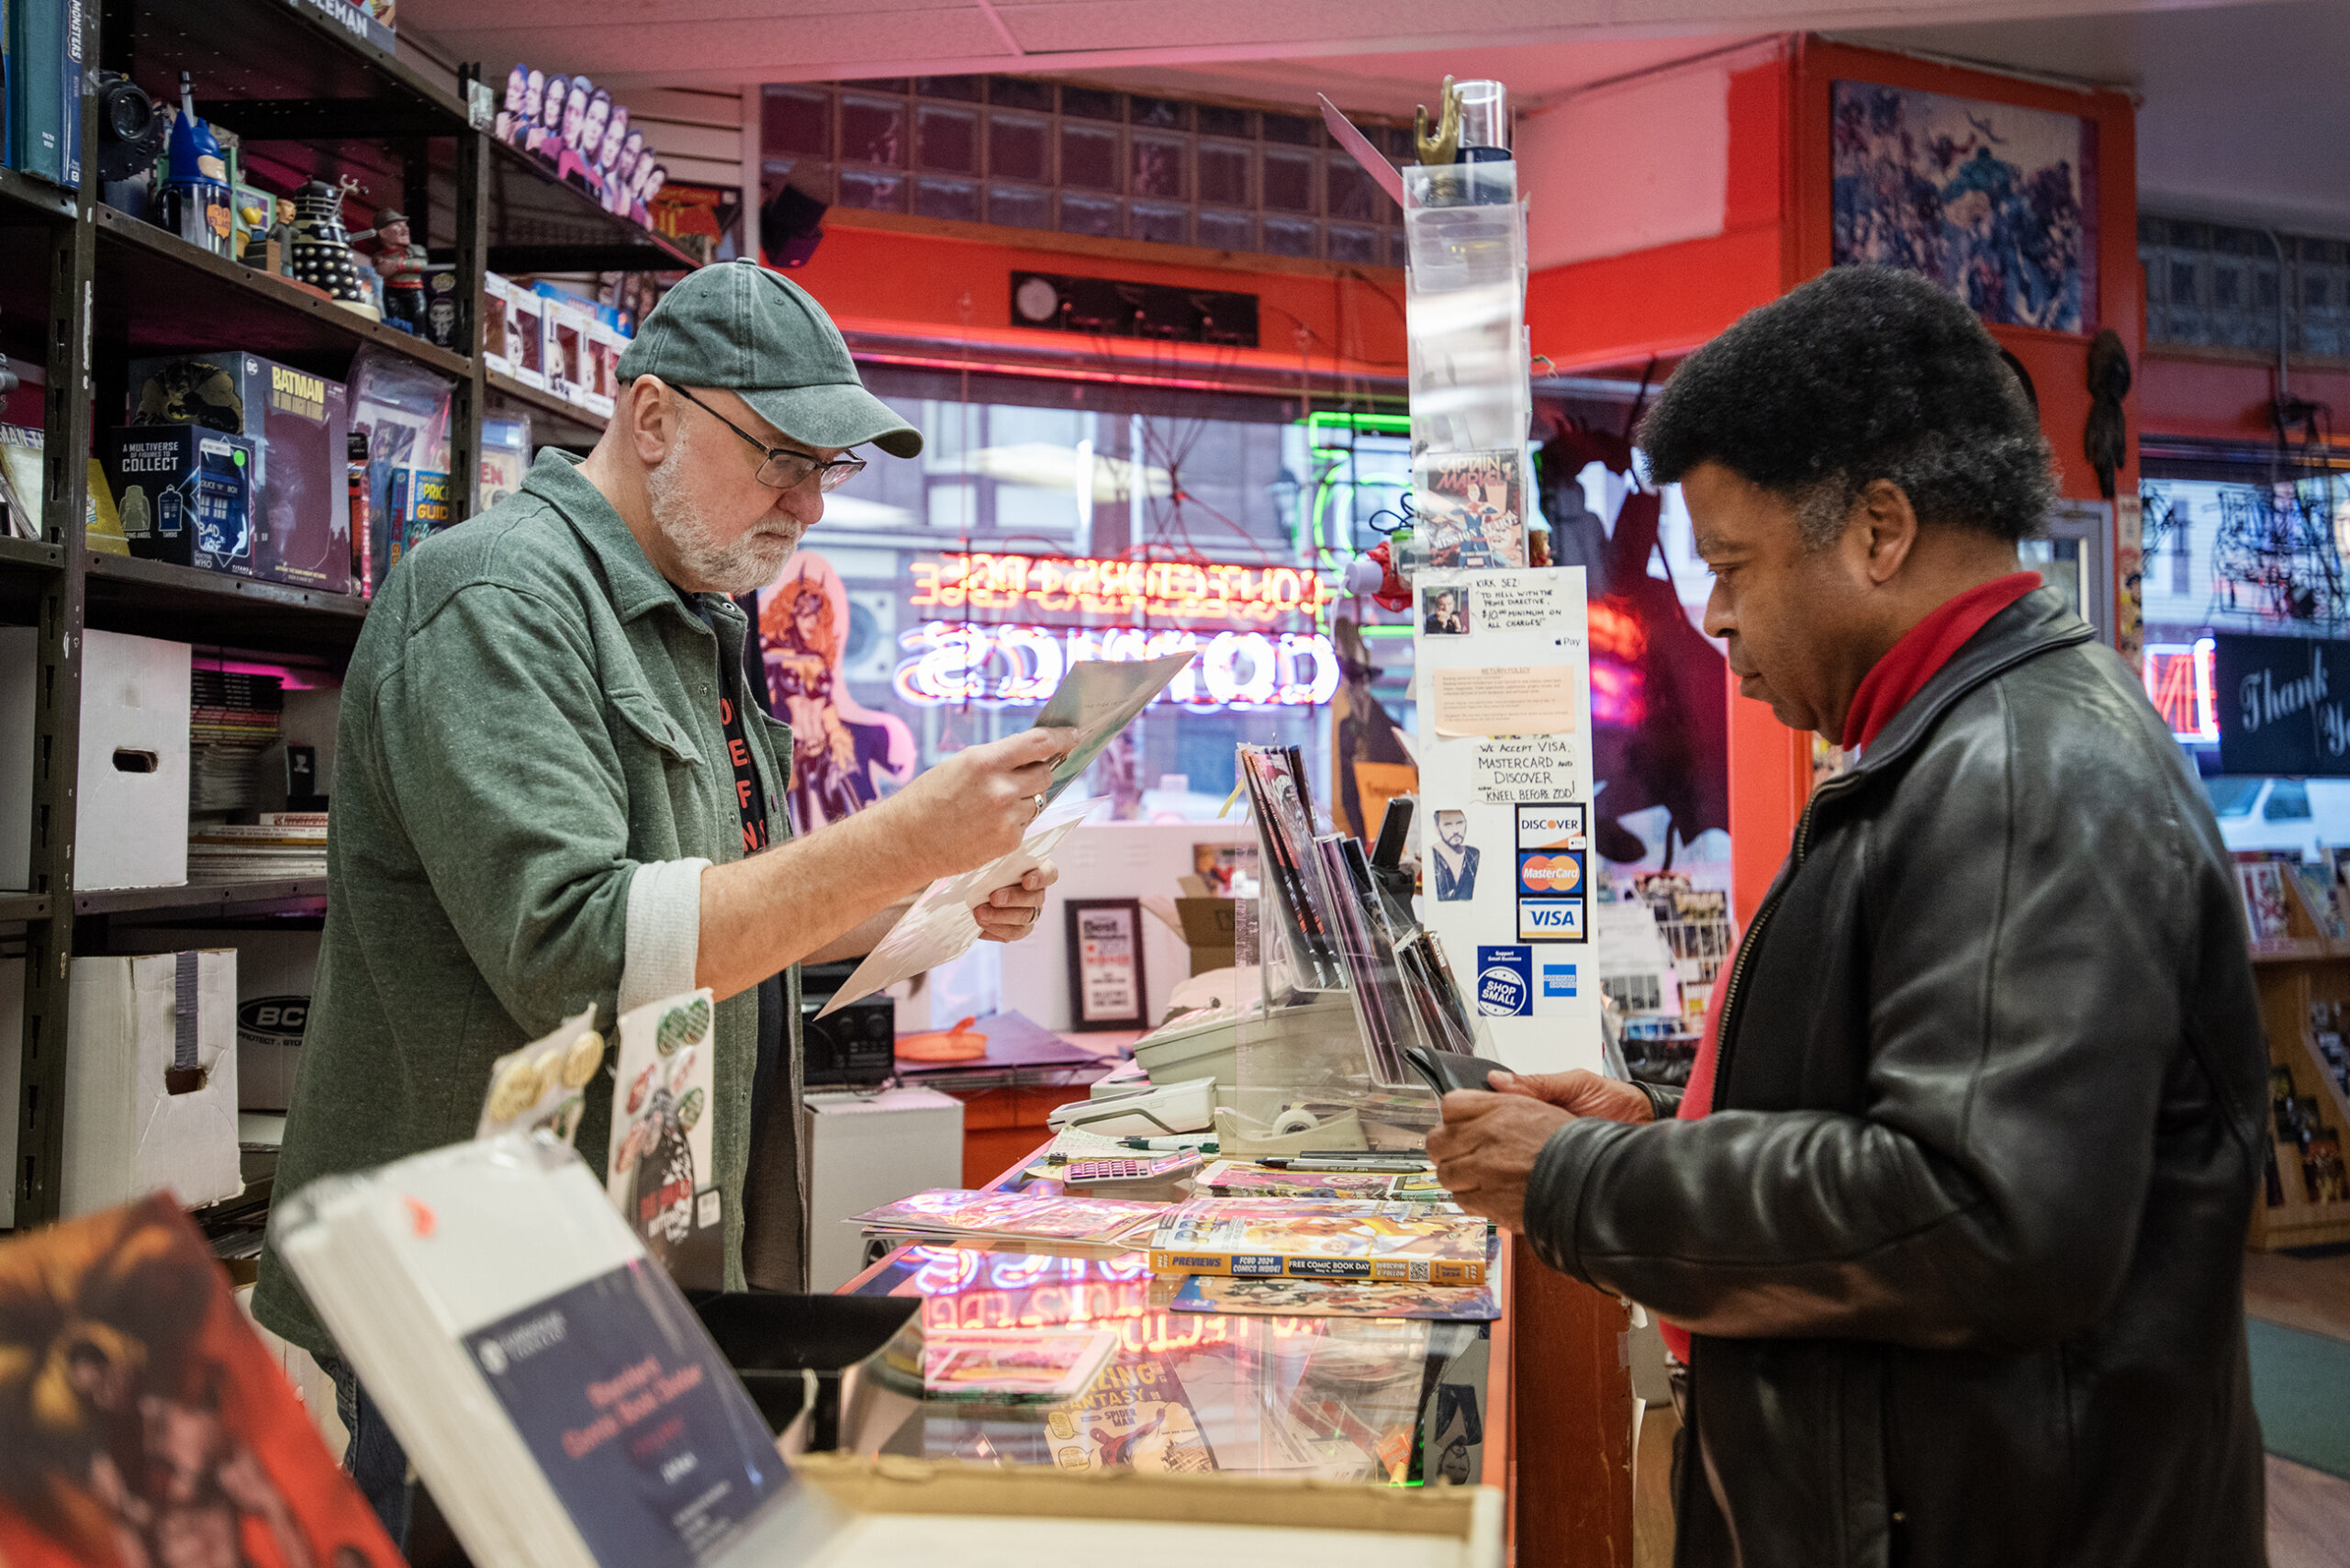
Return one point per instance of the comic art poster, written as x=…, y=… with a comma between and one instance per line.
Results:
x=1470, y=507
x=841, y=751
x=1995, y=203
x=143, y=1424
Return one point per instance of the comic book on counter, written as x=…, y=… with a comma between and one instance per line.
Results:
x=1319, y=1238
x=1240, y=1179
x=142, y=1419
x=549, y=1381
x=1135, y=1417
x=958, y=1213
x=994, y=1366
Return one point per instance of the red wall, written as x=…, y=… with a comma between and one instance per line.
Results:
x=916, y=276
x=1617, y=310
x=2226, y=399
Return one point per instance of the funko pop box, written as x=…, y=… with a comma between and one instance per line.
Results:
x=300, y=425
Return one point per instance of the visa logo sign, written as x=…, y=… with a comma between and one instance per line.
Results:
x=1550, y=920
x=1558, y=980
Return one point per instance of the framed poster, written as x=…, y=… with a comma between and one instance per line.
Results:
x=1105, y=983
x=1995, y=202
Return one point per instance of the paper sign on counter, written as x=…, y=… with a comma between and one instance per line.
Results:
x=1503, y=700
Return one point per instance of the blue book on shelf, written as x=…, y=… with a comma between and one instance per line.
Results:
x=36, y=78
x=68, y=105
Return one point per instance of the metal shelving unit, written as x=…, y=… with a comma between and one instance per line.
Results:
x=84, y=289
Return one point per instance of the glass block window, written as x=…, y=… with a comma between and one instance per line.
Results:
x=872, y=190
x=797, y=122
x=1089, y=158
x=1021, y=153
x=1019, y=147
x=955, y=199
x=2217, y=285
x=947, y=140
x=873, y=131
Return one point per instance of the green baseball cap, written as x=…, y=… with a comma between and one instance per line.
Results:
x=755, y=332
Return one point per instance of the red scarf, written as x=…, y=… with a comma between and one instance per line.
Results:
x=1900, y=675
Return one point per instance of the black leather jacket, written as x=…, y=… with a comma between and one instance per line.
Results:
x=1961, y=1245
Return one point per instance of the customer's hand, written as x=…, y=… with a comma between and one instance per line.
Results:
x=1582, y=1093
x=1010, y=911
x=1485, y=1150
x=977, y=804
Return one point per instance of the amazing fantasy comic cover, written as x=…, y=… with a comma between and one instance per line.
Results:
x=1135, y=1417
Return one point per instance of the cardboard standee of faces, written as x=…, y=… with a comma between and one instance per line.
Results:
x=544, y=1086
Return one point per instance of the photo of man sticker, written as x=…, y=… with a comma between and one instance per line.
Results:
x=1454, y=858
x=1445, y=612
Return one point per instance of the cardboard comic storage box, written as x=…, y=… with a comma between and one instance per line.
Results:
x=905, y=1513
x=150, y=1081
x=133, y=766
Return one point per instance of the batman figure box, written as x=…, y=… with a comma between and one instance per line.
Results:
x=300, y=425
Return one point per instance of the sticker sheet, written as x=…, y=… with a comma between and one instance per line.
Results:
x=1503, y=685
x=659, y=1171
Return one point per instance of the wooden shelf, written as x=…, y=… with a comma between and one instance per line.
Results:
x=2288, y=983
x=158, y=294
x=2299, y=950
x=155, y=599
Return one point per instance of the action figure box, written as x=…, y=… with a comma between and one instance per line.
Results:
x=496, y=355
x=300, y=425
x=526, y=322
x=605, y=346
x=185, y=496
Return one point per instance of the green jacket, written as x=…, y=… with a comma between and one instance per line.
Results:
x=531, y=772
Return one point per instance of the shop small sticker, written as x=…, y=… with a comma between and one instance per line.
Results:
x=1506, y=981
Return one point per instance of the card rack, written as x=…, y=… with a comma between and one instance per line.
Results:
x=2307, y=970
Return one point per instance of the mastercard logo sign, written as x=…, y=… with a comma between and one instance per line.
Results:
x=1550, y=873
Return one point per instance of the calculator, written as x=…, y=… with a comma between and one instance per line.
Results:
x=1107, y=1169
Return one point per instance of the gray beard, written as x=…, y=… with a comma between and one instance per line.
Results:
x=743, y=565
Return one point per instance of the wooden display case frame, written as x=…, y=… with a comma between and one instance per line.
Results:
x=2309, y=964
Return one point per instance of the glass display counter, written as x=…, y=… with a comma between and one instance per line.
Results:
x=1383, y=1401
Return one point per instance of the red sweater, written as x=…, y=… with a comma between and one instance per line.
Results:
x=1882, y=692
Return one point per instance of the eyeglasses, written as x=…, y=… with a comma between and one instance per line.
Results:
x=784, y=469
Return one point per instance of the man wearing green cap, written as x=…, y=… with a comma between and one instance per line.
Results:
x=550, y=791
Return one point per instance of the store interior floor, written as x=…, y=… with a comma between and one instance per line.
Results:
x=2309, y=1509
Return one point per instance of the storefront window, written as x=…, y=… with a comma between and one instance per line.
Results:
x=941, y=598
x=2233, y=543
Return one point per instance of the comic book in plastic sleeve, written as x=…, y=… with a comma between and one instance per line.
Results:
x=1313, y=1238
x=1135, y=1417
x=1015, y=1217
x=1240, y=1179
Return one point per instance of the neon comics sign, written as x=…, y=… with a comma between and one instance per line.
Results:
x=1147, y=590
x=2183, y=688
x=1018, y=665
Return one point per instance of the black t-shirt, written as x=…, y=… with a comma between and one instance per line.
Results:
x=750, y=799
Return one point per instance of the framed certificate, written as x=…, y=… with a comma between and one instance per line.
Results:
x=1105, y=983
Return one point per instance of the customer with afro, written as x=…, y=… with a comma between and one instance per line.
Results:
x=1952, y=1212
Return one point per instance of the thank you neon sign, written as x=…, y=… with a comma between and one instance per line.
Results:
x=2284, y=704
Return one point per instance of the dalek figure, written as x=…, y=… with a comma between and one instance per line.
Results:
x=322, y=249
